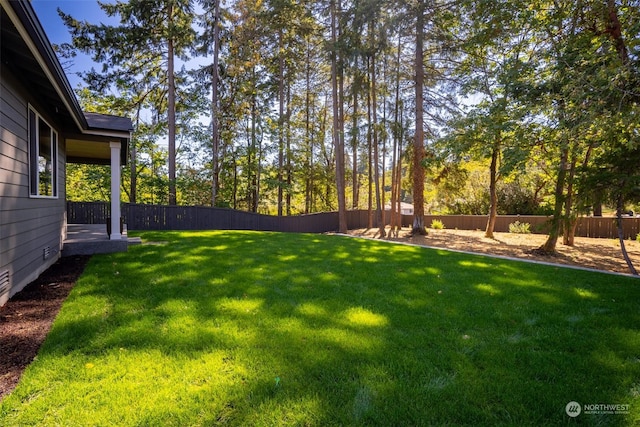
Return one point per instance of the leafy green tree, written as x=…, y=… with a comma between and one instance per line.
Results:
x=289, y=22
x=139, y=54
x=88, y=183
x=490, y=57
x=589, y=77
x=429, y=23
x=209, y=43
x=615, y=172
x=246, y=101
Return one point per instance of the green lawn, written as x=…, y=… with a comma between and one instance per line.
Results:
x=250, y=328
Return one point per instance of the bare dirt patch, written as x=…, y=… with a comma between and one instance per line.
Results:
x=599, y=254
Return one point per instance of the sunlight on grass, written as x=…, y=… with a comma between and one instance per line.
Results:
x=584, y=293
x=241, y=306
x=474, y=264
x=491, y=290
x=363, y=317
x=433, y=271
x=246, y=328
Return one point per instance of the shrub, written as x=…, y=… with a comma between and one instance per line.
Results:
x=638, y=237
x=436, y=224
x=520, y=227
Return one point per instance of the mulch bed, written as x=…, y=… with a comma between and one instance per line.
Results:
x=26, y=318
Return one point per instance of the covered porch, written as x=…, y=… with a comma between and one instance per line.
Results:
x=104, y=142
x=89, y=239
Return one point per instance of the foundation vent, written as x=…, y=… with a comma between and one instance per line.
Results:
x=4, y=282
x=46, y=252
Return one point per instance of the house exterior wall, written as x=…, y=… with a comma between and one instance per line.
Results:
x=31, y=229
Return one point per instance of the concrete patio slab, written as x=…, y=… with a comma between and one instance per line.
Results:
x=89, y=239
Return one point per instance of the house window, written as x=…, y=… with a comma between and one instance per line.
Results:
x=43, y=157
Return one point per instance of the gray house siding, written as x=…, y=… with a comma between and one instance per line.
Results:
x=30, y=228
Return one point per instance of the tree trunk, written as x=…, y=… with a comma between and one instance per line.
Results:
x=398, y=185
x=370, y=159
x=614, y=29
x=253, y=159
x=338, y=135
x=289, y=169
x=280, y=119
x=215, y=137
x=549, y=245
x=418, y=144
x=570, y=217
x=134, y=170
x=396, y=176
x=373, y=124
x=235, y=182
x=383, y=164
x=355, y=182
x=258, y=175
x=171, y=114
x=308, y=137
x=623, y=248
x=392, y=220
x=133, y=194
x=597, y=209
x=493, y=191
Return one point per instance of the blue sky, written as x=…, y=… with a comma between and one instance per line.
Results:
x=82, y=10
x=58, y=33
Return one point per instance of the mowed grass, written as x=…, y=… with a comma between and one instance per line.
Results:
x=250, y=328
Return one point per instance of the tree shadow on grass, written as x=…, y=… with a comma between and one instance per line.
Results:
x=266, y=328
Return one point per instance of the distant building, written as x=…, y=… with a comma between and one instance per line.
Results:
x=405, y=208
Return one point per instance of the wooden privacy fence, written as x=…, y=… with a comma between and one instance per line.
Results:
x=88, y=212
x=153, y=217
x=161, y=217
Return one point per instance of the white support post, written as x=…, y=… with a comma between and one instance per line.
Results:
x=115, y=191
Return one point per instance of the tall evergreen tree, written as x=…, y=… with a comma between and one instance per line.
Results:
x=147, y=40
